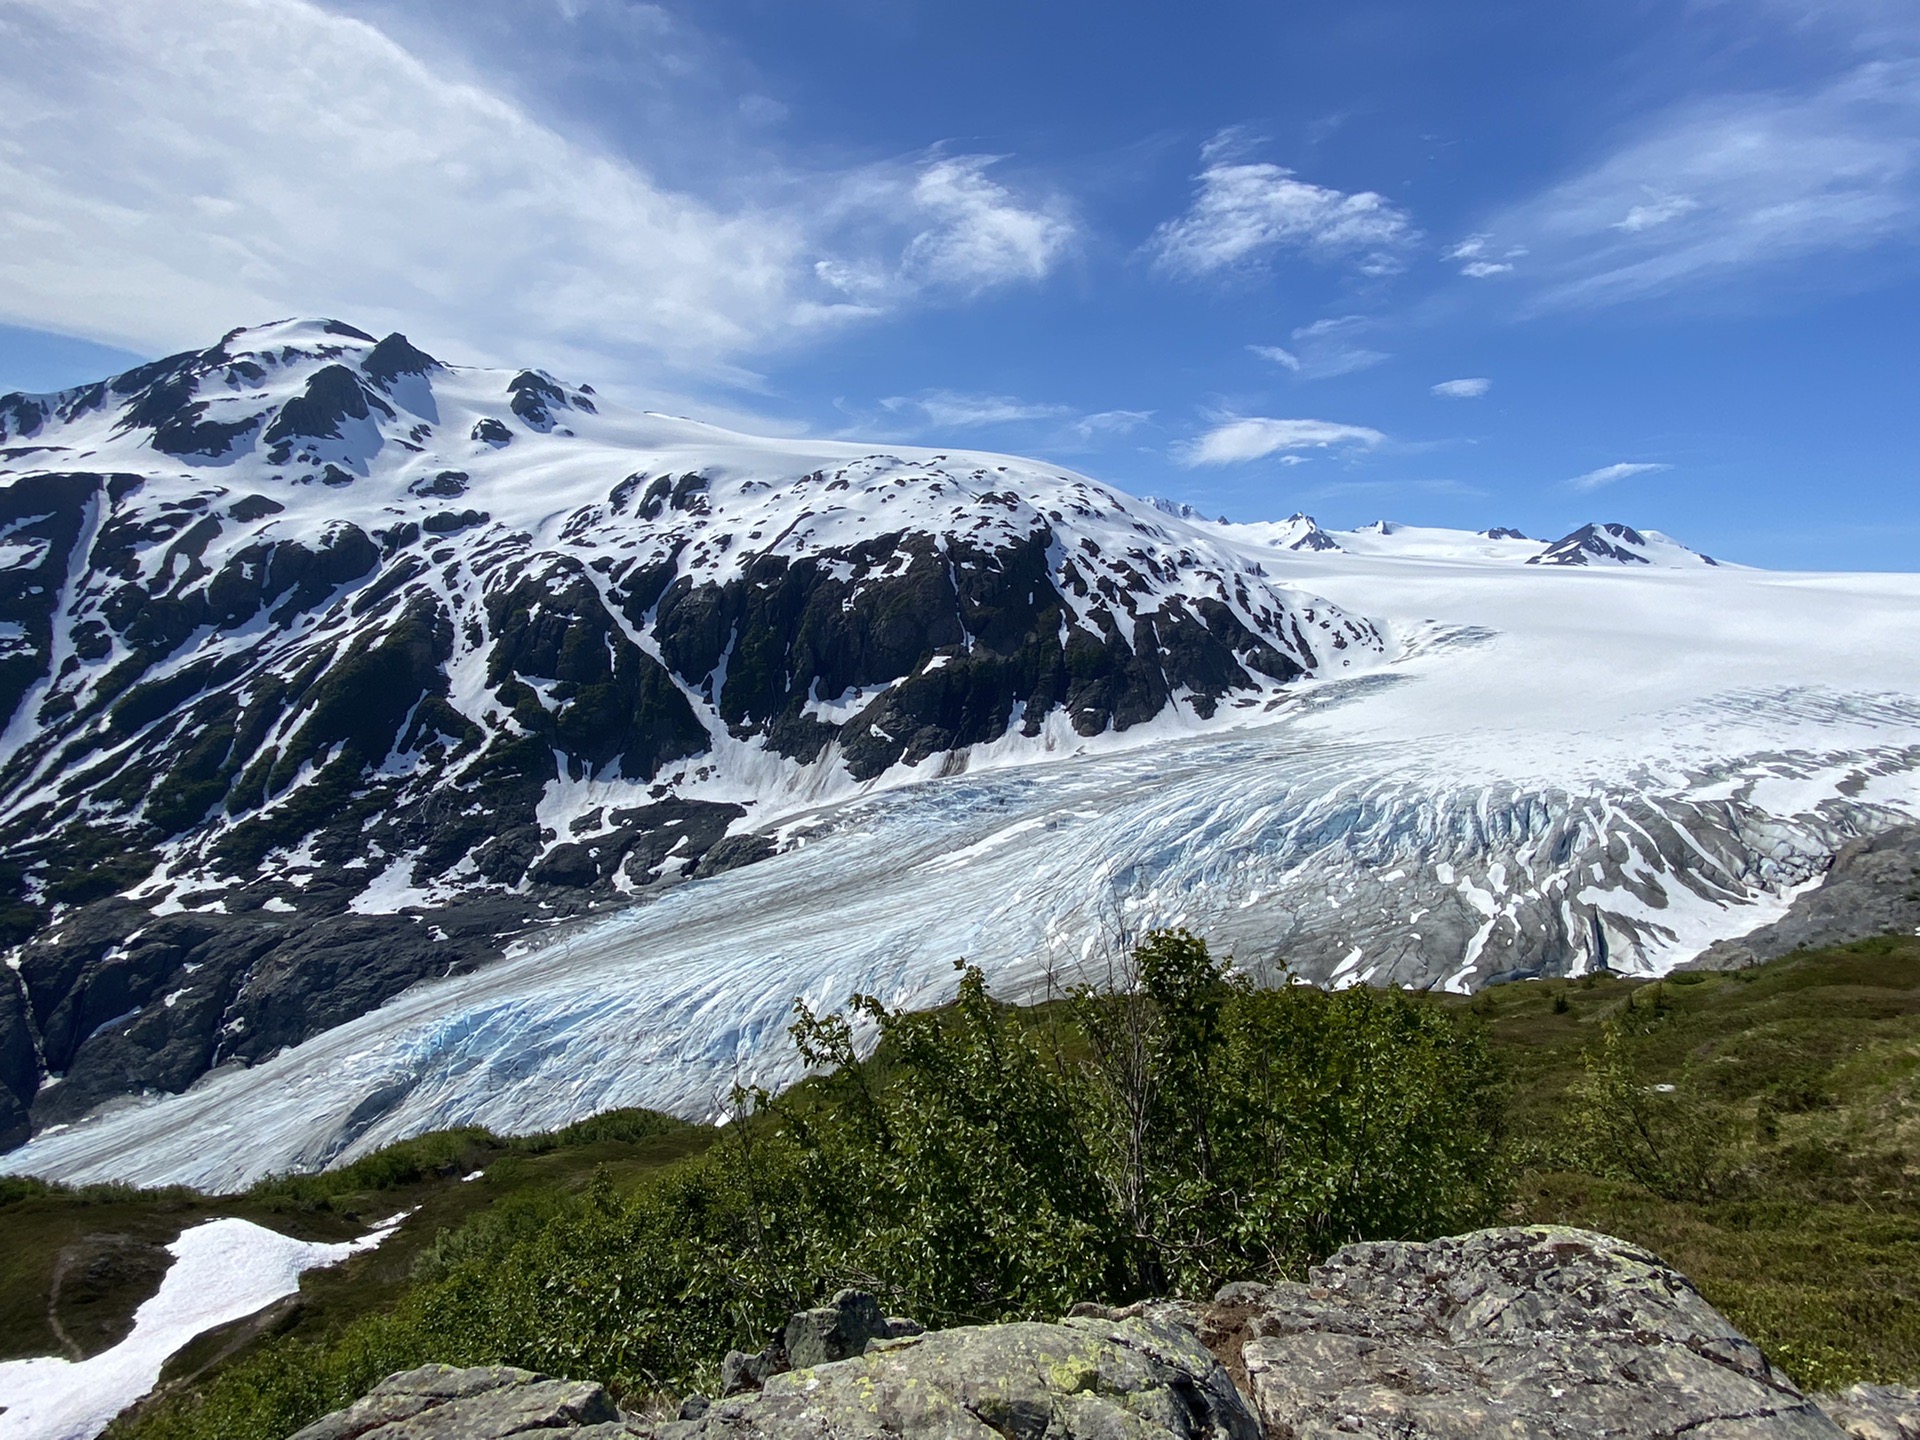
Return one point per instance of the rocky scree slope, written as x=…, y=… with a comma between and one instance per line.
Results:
x=325, y=664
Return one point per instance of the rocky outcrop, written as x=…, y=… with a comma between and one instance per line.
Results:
x=838, y=1330
x=1872, y=889
x=1532, y=1333
x=1084, y=1377
x=1536, y=1332
x=438, y=1402
x=1875, y=1412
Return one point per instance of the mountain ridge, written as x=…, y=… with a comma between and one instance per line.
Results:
x=313, y=624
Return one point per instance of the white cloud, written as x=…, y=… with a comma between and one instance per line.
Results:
x=1608, y=474
x=955, y=410
x=170, y=168
x=1325, y=348
x=1474, y=251
x=1238, y=439
x=1733, y=188
x=981, y=235
x=1471, y=388
x=1245, y=210
x=1656, y=212
x=1110, y=422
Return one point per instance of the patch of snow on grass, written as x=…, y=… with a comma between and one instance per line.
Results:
x=224, y=1270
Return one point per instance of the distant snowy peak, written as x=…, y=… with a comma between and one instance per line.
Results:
x=1615, y=544
x=1180, y=510
x=1297, y=532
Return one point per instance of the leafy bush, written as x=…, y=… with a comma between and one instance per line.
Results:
x=1668, y=1138
x=1253, y=1131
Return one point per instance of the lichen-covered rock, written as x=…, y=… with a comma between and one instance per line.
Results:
x=1875, y=1412
x=438, y=1402
x=1083, y=1379
x=1533, y=1333
x=837, y=1330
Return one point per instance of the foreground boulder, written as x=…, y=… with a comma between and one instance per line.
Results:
x=1876, y=1412
x=1083, y=1379
x=1532, y=1333
x=437, y=1402
x=1536, y=1332
x=837, y=1330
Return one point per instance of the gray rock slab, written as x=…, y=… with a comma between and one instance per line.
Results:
x=438, y=1402
x=1534, y=1333
x=1083, y=1379
x=1875, y=1412
x=1873, y=888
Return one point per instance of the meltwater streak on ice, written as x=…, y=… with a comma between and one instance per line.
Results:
x=1352, y=862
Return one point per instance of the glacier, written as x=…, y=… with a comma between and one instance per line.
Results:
x=1513, y=768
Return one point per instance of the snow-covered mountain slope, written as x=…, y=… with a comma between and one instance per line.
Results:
x=1521, y=769
x=304, y=629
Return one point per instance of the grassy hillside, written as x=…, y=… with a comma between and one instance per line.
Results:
x=1789, y=1186
x=1760, y=1130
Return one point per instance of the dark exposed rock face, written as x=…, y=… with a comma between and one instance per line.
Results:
x=1872, y=889
x=1611, y=543
x=313, y=657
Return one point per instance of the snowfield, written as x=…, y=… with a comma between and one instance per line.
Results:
x=224, y=1270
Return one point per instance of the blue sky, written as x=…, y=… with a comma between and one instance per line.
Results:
x=1473, y=264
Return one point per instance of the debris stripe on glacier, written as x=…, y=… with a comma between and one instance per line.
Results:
x=1295, y=861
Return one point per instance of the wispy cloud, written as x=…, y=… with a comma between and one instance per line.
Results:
x=955, y=410
x=1243, y=211
x=1063, y=425
x=1110, y=422
x=1478, y=263
x=1324, y=349
x=1471, y=388
x=1235, y=440
x=980, y=234
x=1608, y=474
x=1731, y=188
x=169, y=168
